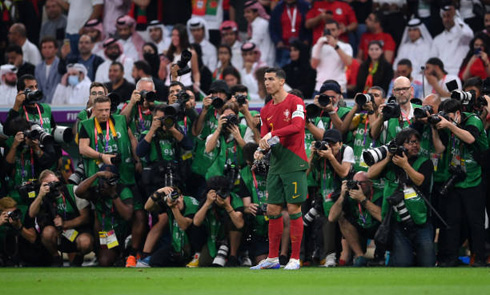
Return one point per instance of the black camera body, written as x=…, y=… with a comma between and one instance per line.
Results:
x=352, y=184
x=374, y=155
x=173, y=196
x=321, y=145
x=32, y=96
x=312, y=111
x=324, y=100
x=15, y=215
x=391, y=110
x=149, y=96
x=217, y=102
x=28, y=191
x=421, y=112
x=262, y=209
x=185, y=57
x=434, y=119
x=117, y=159
x=457, y=175
x=396, y=149
x=241, y=99
x=55, y=188
x=231, y=120
x=36, y=132
x=397, y=201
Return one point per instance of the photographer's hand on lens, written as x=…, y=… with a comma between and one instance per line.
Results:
x=43, y=190
x=20, y=98
x=4, y=218
x=58, y=222
x=19, y=138
x=368, y=106
x=252, y=209
x=234, y=130
x=223, y=203
x=327, y=153
x=400, y=161
x=155, y=124
x=443, y=124
x=165, y=190
x=206, y=103
x=357, y=194
x=135, y=97
x=211, y=197
x=106, y=158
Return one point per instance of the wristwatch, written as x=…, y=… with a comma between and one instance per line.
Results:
x=336, y=47
x=363, y=202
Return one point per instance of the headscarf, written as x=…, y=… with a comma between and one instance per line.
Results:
x=260, y=9
x=197, y=22
x=416, y=23
x=137, y=40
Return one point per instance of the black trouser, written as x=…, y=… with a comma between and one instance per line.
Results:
x=166, y=256
x=464, y=206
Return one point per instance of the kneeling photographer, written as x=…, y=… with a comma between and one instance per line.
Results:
x=464, y=198
x=63, y=218
x=407, y=179
x=221, y=214
x=113, y=204
x=19, y=241
x=358, y=213
x=331, y=161
x=185, y=238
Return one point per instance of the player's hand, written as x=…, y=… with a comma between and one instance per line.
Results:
x=263, y=142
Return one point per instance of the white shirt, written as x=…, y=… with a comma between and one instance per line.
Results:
x=79, y=13
x=331, y=65
x=209, y=55
x=8, y=95
x=442, y=83
x=249, y=80
x=451, y=46
x=348, y=155
x=262, y=38
x=130, y=49
x=236, y=58
x=72, y=95
x=31, y=53
x=417, y=52
x=163, y=45
x=102, y=74
x=99, y=50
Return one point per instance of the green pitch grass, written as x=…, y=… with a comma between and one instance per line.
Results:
x=230, y=281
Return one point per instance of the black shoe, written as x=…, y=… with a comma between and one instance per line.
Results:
x=479, y=263
x=283, y=260
x=57, y=261
x=77, y=261
x=232, y=262
x=449, y=263
x=376, y=262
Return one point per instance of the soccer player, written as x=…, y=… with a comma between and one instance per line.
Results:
x=284, y=117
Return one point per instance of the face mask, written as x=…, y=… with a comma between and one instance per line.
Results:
x=150, y=57
x=73, y=80
x=113, y=56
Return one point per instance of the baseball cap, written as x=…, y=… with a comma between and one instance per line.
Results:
x=332, y=135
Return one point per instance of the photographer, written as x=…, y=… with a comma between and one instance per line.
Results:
x=464, y=203
x=106, y=139
x=25, y=156
x=178, y=93
x=331, y=161
x=253, y=194
x=96, y=89
x=26, y=105
x=358, y=212
x=63, y=219
x=239, y=94
x=185, y=238
x=161, y=145
x=221, y=213
x=396, y=116
x=113, y=204
x=331, y=112
x=225, y=144
x=19, y=242
x=407, y=176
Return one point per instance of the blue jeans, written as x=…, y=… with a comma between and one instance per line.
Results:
x=422, y=245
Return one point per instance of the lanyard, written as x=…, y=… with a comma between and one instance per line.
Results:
x=406, y=118
x=141, y=120
x=112, y=217
x=98, y=132
x=256, y=185
x=38, y=111
x=360, y=209
x=185, y=125
x=365, y=131
x=293, y=18
x=22, y=165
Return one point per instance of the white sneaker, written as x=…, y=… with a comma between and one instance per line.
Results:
x=293, y=264
x=246, y=261
x=269, y=263
x=330, y=260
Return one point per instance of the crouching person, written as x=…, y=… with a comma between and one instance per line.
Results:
x=185, y=238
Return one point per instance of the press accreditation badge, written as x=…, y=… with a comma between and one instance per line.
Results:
x=362, y=163
x=435, y=160
x=103, y=239
x=409, y=193
x=70, y=234
x=111, y=240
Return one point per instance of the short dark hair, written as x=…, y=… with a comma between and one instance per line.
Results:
x=160, y=107
x=405, y=134
x=405, y=62
x=473, y=82
x=297, y=92
x=101, y=99
x=98, y=84
x=116, y=63
x=231, y=105
x=176, y=83
x=332, y=21
x=238, y=88
x=383, y=93
x=48, y=38
x=144, y=66
x=450, y=106
x=249, y=150
x=21, y=82
x=230, y=70
x=14, y=48
x=436, y=62
x=278, y=71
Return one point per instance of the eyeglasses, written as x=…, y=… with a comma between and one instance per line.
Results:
x=412, y=142
x=401, y=89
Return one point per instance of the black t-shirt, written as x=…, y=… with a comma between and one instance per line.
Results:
x=124, y=91
x=84, y=134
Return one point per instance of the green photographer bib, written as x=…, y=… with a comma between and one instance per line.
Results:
x=257, y=189
x=203, y=161
x=395, y=125
x=179, y=236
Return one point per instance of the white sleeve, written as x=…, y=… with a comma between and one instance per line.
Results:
x=96, y=2
x=59, y=95
x=348, y=155
x=320, y=125
x=81, y=203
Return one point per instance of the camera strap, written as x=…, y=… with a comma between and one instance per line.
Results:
x=141, y=120
x=98, y=132
x=406, y=118
x=38, y=111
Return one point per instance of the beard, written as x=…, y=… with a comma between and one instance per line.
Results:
x=11, y=83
